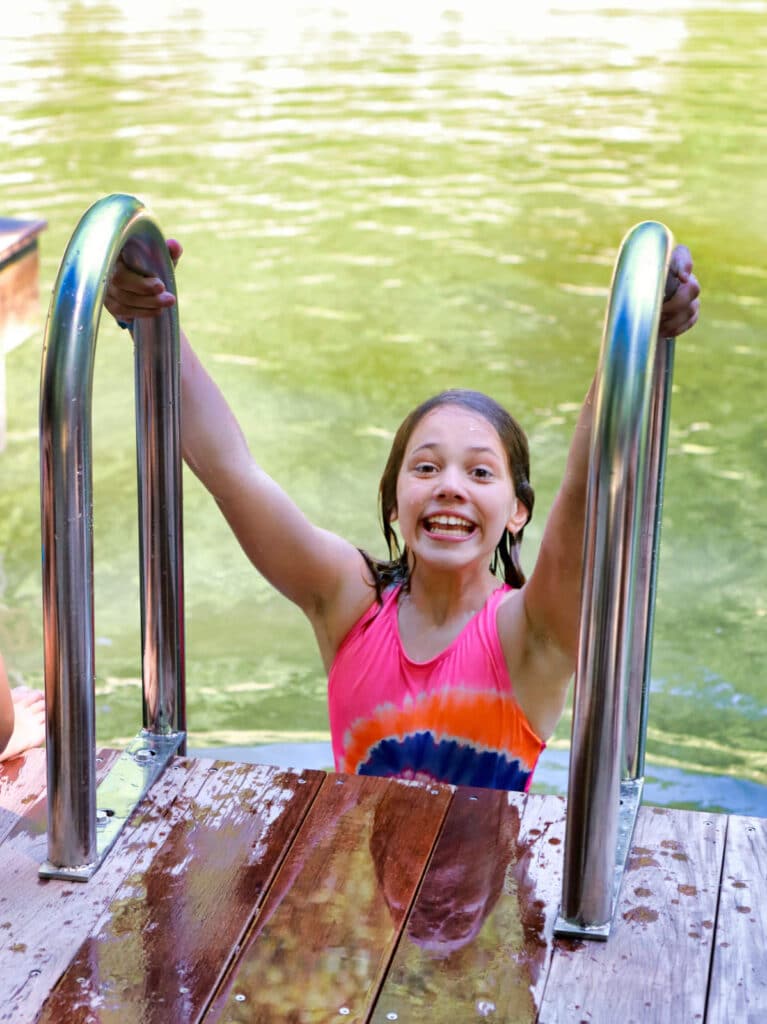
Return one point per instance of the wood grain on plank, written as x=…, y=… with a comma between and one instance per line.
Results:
x=654, y=966
x=324, y=937
x=738, y=989
x=479, y=935
x=44, y=921
x=165, y=940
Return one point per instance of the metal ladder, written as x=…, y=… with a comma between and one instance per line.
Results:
x=620, y=564
x=83, y=821
x=621, y=540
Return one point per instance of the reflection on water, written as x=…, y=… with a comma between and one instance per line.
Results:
x=375, y=206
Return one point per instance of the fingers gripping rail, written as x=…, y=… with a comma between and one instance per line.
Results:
x=82, y=824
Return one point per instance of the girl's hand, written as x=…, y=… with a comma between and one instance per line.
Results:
x=680, y=311
x=28, y=722
x=130, y=295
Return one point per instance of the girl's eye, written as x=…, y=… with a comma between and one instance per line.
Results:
x=481, y=473
x=425, y=467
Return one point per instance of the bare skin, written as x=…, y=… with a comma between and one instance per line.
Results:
x=454, y=498
x=22, y=718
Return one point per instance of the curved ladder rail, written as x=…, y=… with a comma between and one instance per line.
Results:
x=621, y=536
x=79, y=835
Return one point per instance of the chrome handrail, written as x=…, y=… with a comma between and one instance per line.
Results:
x=621, y=535
x=78, y=835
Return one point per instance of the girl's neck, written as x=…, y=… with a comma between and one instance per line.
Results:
x=434, y=611
x=441, y=597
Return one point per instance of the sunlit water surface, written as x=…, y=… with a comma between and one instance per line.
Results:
x=376, y=206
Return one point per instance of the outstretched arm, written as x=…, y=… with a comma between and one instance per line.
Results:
x=322, y=573
x=552, y=595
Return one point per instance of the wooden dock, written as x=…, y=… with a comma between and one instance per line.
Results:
x=244, y=893
x=19, y=292
x=19, y=284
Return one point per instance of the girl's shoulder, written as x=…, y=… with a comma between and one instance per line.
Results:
x=501, y=594
x=512, y=625
x=508, y=602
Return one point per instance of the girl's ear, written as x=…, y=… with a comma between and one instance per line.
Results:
x=393, y=515
x=520, y=514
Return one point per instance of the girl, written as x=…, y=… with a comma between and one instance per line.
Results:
x=436, y=669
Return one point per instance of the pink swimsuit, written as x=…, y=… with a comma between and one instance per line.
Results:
x=450, y=719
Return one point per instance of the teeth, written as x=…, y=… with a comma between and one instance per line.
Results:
x=451, y=521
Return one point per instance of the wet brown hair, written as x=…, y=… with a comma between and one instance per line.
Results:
x=514, y=442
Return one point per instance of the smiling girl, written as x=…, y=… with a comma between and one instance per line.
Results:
x=438, y=668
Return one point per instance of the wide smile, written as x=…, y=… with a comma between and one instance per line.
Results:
x=449, y=527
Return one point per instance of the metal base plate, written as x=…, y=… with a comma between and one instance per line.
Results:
x=136, y=769
x=631, y=798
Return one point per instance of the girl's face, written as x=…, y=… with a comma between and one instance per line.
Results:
x=455, y=495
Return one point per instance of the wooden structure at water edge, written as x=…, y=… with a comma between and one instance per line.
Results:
x=19, y=291
x=242, y=893
x=19, y=286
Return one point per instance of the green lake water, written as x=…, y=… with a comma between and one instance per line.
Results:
x=376, y=205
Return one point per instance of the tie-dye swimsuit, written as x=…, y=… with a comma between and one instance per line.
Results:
x=450, y=719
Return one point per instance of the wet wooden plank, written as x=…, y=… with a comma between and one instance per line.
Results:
x=165, y=940
x=43, y=922
x=654, y=966
x=479, y=936
x=23, y=781
x=321, y=944
x=739, y=975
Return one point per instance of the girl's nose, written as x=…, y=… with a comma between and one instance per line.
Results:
x=450, y=483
